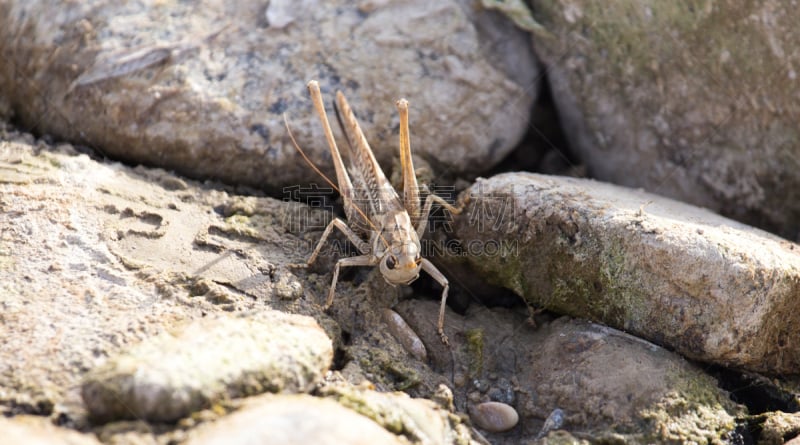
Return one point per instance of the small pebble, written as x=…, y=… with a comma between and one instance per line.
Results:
x=287, y=287
x=444, y=397
x=494, y=417
x=481, y=385
x=554, y=421
x=405, y=335
x=502, y=392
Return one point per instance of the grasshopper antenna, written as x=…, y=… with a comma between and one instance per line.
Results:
x=328, y=180
x=303, y=154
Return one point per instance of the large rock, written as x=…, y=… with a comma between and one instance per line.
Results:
x=711, y=288
x=420, y=421
x=203, y=90
x=293, y=420
x=66, y=299
x=172, y=375
x=696, y=101
x=608, y=385
x=97, y=257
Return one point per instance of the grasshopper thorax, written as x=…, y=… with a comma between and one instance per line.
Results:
x=398, y=247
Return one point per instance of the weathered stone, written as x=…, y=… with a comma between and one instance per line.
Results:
x=495, y=417
x=96, y=257
x=777, y=426
x=712, y=289
x=608, y=385
x=170, y=376
x=697, y=101
x=290, y=420
x=404, y=334
x=203, y=90
x=66, y=298
x=420, y=421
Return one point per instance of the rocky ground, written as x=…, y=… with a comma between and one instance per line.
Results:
x=152, y=208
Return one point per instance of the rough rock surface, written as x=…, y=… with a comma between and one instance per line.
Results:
x=172, y=375
x=202, y=90
x=417, y=420
x=67, y=299
x=99, y=259
x=778, y=426
x=96, y=257
x=293, y=420
x=100, y=262
x=697, y=101
x=711, y=288
x=611, y=386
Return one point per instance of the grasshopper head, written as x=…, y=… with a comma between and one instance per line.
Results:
x=401, y=264
x=400, y=258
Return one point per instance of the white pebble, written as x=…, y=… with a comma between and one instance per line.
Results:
x=494, y=417
x=404, y=334
x=280, y=13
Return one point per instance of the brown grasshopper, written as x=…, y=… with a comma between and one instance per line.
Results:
x=393, y=227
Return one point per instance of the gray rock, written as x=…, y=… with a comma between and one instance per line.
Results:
x=404, y=334
x=66, y=298
x=293, y=420
x=776, y=426
x=97, y=257
x=553, y=422
x=620, y=380
x=609, y=386
x=420, y=421
x=712, y=289
x=203, y=90
x=170, y=376
x=696, y=103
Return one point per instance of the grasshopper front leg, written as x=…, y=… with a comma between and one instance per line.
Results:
x=361, y=245
x=361, y=260
x=427, y=266
x=366, y=259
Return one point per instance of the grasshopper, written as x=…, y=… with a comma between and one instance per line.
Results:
x=392, y=227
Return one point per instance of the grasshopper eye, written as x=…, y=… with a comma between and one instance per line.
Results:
x=391, y=262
